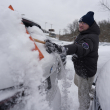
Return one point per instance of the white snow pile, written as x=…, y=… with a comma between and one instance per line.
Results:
x=18, y=63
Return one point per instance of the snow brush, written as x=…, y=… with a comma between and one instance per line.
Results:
x=36, y=40
x=36, y=48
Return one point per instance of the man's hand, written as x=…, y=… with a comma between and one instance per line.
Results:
x=49, y=46
x=52, y=47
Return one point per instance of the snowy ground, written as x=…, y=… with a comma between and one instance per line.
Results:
x=17, y=59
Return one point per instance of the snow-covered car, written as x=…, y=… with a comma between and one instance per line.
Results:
x=101, y=99
x=26, y=82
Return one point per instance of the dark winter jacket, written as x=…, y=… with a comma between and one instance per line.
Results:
x=85, y=51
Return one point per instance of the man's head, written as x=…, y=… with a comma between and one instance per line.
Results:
x=86, y=21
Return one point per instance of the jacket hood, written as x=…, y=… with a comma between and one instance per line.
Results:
x=94, y=29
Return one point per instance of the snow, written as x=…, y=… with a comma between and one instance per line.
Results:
x=19, y=64
x=6, y=94
x=103, y=86
x=103, y=79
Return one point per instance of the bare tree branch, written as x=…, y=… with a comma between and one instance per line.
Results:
x=105, y=5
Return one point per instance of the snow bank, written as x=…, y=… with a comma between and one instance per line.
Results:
x=18, y=63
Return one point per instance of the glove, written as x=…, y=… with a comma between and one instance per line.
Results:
x=52, y=47
x=49, y=46
x=74, y=57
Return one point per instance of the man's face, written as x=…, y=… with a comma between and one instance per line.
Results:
x=83, y=26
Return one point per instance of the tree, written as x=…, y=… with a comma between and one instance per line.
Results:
x=73, y=28
x=70, y=32
x=65, y=31
x=104, y=31
x=105, y=5
x=104, y=25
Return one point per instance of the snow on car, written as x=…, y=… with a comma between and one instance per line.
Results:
x=102, y=81
x=26, y=82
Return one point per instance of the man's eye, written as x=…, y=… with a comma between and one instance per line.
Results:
x=84, y=23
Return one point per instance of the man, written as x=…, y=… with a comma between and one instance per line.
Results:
x=85, y=56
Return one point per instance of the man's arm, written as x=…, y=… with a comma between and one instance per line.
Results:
x=81, y=49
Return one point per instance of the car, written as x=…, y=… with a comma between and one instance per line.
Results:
x=52, y=35
x=11, y=93
x=101, y=100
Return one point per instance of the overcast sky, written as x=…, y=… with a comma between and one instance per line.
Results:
x=57, y=13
